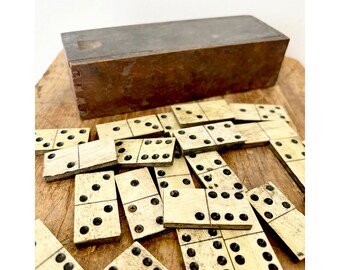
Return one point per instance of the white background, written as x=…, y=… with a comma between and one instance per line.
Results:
x=55, y=17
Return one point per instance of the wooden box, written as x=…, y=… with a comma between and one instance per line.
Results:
x=130, y=68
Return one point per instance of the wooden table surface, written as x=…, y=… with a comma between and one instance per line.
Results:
x=55, y=107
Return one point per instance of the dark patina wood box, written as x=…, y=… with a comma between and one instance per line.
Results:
x=130, y=68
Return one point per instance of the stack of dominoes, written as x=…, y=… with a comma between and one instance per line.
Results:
x=213, y=217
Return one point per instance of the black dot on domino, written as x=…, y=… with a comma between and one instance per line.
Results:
x=60, y=257
x=221, y=260
x=235, y=247
x=191, y=252
x=136, y=251
x=186, y=237
x=147, y=261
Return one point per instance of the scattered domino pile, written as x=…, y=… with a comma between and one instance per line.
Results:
x=218, y=224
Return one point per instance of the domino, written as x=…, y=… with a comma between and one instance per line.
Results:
x=176, y=176
x=205, y=208
x=281, y=215
x=189, y=236
x=127, y=151
x=217, y=110
x=135, y=257
x=49, y=252
x=63, y=163
x=211, y=137
x=155, y=152
x=250, y=249
x=115, y=130
x=253, y=134
x=189, y=114
x=168, y=122
x=225, y=135
x=96, y=217
x=194, y=140
x=291, y=153
x=203, y=249
x=245, y=112
x=252, y=252
x=213, y=172
x=145, y=152
x=142, y=204
x=130, y=128
x=44, y=140
x=296, y=169
x=53, y=139
x=198, y=113
x=277, y=129
x=72, y=136
x=145, y=125
x=288, y=149
x=272, y=112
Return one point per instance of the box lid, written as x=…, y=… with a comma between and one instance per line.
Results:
x=165, y=37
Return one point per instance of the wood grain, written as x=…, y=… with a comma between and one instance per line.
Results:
x=55, y=107
x=191, y=62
